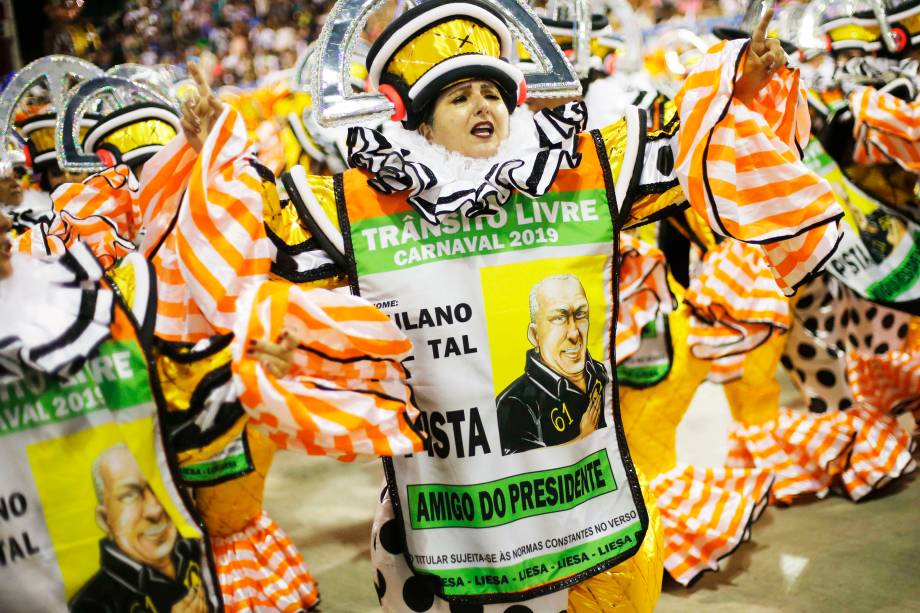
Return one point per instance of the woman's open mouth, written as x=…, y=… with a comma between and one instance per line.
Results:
x=483, y=129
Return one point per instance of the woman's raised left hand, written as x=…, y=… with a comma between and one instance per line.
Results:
x=764, y=57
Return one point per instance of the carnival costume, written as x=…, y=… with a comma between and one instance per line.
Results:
x=850, y=441
x=706, y=513
x=75, y=372
x=187, y=209
x=400, y=221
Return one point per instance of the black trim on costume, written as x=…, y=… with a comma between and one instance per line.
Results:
x=322, y=240
x=630, y=198
x=354, y=360
x=666, y=212
x=819, y=268
x=629, y=468
x=263, y=171
x=311, y=244
x=350, y=263
x=285, y=267
x=168, y=230
x=181, y=353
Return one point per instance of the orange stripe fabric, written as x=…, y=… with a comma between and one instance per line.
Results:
x=644, y=292
x=221, y=245
x=740, y=168
x=887, y=129
x=347, y=394
x=706, y=513
x=861, y=449
x=802, y=449
x=261, y=570
x=882, y=452
x=101, y=212
x=736, y=305
x=889, y=382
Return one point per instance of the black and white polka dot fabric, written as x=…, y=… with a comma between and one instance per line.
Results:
x=829, y=319
x=399, y=590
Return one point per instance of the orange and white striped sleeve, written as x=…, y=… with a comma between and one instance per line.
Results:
x=347, y=394
x=221, y=243
x=102, y=212
x=886, y=129
x=740, y=166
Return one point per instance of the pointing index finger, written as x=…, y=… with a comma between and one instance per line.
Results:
x=204, y=90
x=759, y=36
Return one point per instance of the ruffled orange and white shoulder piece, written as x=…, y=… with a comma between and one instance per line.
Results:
x=101, y=212
x=347, y=394
x=740, y=166
x=108, y=209
x=886, y=128
x=736, y=305
x=644, y=293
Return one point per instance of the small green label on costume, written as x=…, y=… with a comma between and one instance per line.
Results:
x=231, y=461
x=899, y=280
x=233, y=466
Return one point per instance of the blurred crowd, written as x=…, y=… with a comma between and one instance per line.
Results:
x=237, y=41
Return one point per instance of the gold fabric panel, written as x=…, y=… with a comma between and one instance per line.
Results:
x=633, y=586
x=700, y=229
x=124, y=279
x=323, y=189
x=43, y=139
x=180, y=380
x=230, y=507
x=283, y=221
x=444, y=41
x=140, y=134
x=615, y=142
x=651, y=204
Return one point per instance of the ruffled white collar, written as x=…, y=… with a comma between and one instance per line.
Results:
x=53, y=313
x=539, y=145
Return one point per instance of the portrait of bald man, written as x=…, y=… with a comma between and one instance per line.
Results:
x=560, y=396
x=144, y=564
